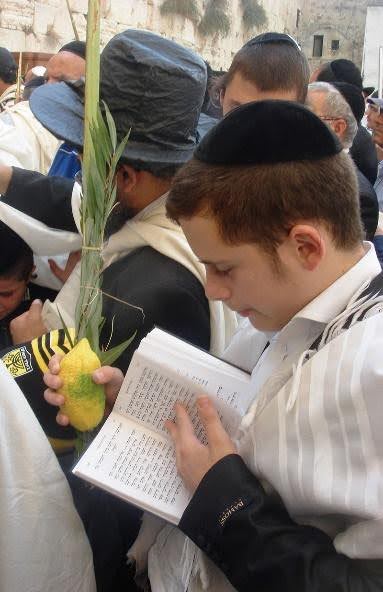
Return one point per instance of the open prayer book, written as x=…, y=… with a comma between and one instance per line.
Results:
x=133, y=455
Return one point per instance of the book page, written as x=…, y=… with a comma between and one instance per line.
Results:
x=133, y=455
x=151, y=389
x=137, y=465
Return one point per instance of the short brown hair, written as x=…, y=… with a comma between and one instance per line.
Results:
x=260, y=203
x=271, y=67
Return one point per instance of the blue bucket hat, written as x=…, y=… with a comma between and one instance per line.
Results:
x=152, y=85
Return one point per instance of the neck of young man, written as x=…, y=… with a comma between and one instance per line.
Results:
x=336, y=265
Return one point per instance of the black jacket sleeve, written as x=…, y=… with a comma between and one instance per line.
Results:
x=257, y=545
x=47, y=199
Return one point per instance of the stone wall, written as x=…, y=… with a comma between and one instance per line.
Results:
x=336, y=20
x=45, y=25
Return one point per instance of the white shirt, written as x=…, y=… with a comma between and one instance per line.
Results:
x=303, y=329
x=313, y=435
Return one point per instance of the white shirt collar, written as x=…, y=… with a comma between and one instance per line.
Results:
x=334, y=300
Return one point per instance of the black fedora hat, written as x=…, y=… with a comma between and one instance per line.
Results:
x=152, y=85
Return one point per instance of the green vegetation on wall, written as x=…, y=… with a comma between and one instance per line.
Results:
x=254, y=15
x=186, y=8
x=215, y=19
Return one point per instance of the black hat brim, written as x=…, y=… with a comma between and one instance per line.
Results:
x=61, y=111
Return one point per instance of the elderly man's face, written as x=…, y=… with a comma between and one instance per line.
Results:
x=316, y=101
x=64, y=66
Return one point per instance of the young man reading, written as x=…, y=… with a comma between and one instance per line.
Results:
x=295, y=504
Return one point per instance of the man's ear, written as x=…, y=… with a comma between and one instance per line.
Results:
x=339, y=127
x=308, y=245
x=126, y=178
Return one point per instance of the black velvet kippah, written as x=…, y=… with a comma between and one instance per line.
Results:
x=267, y=132
x=272, y=37
x=76, y=47
x=353, y=95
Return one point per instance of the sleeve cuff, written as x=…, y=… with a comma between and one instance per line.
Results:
x=227, y=488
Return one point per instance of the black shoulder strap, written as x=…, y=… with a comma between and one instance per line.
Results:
x=372, y=291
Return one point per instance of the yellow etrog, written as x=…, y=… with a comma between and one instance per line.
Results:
x=84, y=400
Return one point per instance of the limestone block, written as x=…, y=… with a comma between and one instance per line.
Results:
x=12, y=40
x=18, y=6
x=61, y=4
x=80, y=6
x=15, y=21
x=108, y=29
x=62, y=26
x=16, y=14
x=80, y=22
x=132, y=13
x=44, y=18
x=42, y=43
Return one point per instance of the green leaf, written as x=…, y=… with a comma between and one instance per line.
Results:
x=67, y=334
x=111, y=355
x=111, y=126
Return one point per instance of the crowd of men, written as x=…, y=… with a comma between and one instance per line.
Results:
x=247, y=223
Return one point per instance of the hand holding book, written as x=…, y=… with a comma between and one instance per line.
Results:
x=133, y=456
x=194, y=459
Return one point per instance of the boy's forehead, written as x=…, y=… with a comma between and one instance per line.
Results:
x=205, y=240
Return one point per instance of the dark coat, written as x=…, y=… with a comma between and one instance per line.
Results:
x=255, y=543
x=171, y=296
x=363, y=152
x=369, y=207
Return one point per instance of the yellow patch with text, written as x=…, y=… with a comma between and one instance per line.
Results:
x=18, y=361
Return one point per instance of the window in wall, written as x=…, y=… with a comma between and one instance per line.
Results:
x=335, y=45
x=318, y=46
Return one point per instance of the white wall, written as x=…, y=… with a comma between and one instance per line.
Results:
x=44, y=25
x=372, y=41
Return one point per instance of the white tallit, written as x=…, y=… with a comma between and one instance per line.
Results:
x=150, y=228
x=313, y=434
x=43, y=545
x=24, y=142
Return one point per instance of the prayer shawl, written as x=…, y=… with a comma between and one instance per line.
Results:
x=43, y=545
x=24, y=142
x=314, y=435
x=8, y=98
x=149, y=228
